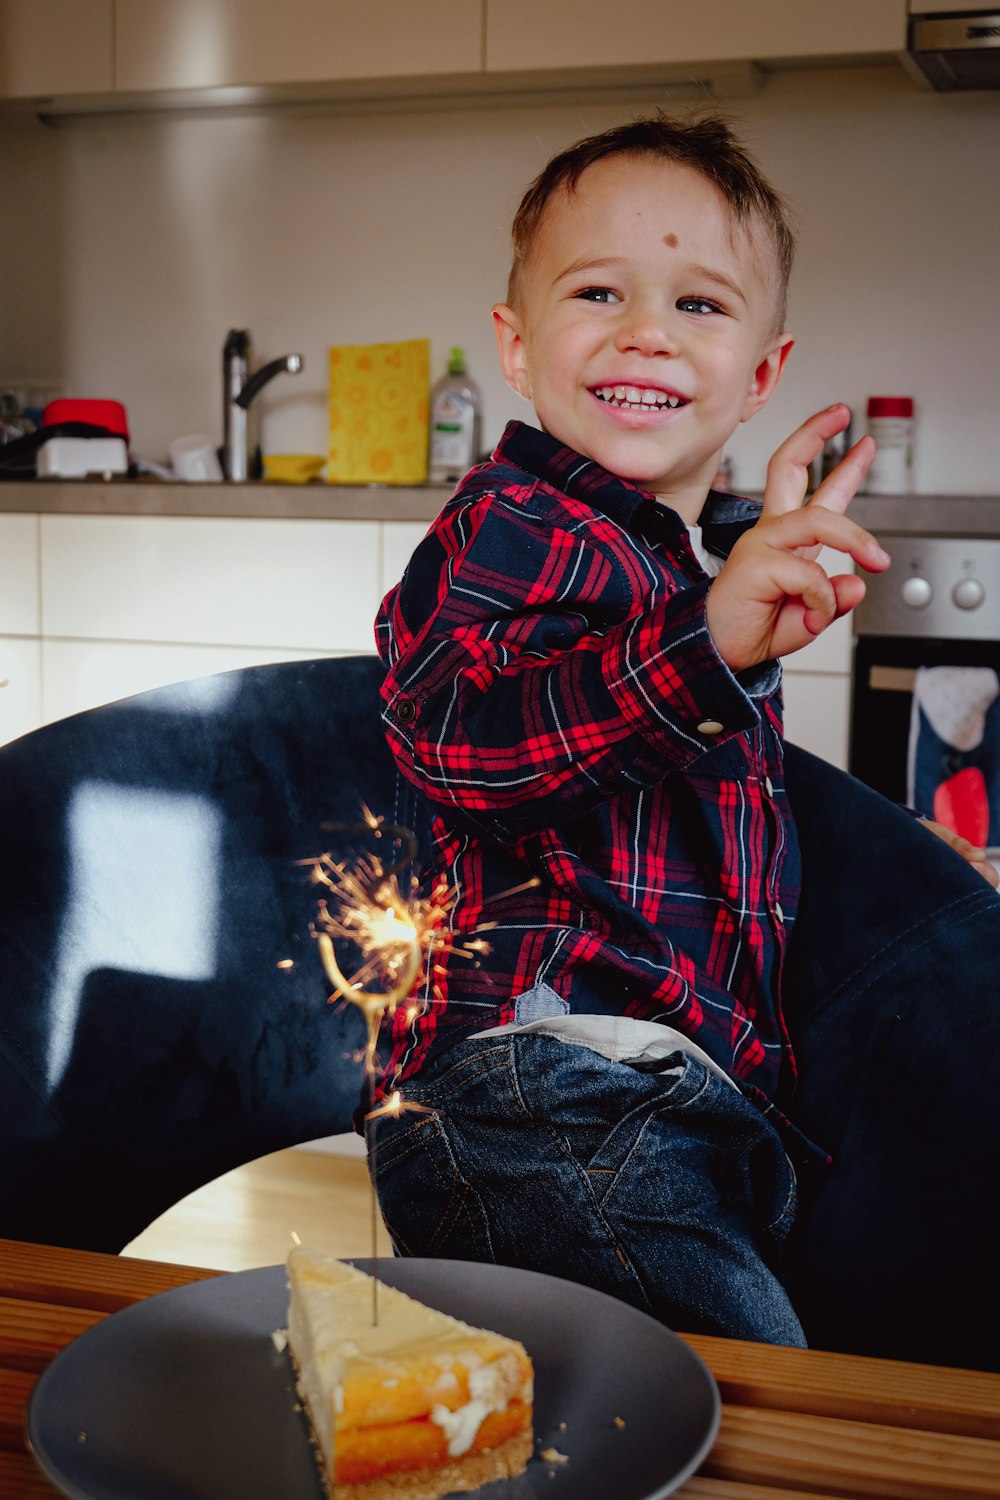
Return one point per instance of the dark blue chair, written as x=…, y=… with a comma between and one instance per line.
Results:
x=151, y=1038
x=149, y=892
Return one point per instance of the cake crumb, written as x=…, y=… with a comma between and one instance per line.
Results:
x=279, y=1338
x=619, y=1422
x=81, y=1436
x=561, y=1427
x=553, y=1456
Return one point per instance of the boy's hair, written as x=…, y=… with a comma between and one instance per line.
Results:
x=707, y=145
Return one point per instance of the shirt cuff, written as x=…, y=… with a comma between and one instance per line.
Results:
x=671, y=683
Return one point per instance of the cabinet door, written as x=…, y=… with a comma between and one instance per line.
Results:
x=533, y=34
x=296, y=585
x=55, y=47
x=78, y=675
x=833, y=650
x=399, y=539
x=817, y=714
x=19, y=605
x=20, y=688
x=183, y=44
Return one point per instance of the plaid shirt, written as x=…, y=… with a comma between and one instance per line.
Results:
x=553, y=690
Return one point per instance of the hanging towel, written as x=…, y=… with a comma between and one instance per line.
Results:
x=953, y=762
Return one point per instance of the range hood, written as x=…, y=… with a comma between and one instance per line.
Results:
x=956, y=51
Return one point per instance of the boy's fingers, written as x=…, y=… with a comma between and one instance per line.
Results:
x=839, y=488
x=788, y=471
x=819, y=526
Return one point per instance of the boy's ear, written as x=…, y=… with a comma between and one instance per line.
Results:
x=510, y=345
x=767, y=375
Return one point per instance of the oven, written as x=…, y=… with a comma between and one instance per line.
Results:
x=925, y=701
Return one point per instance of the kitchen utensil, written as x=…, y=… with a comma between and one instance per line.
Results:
x=194, y=459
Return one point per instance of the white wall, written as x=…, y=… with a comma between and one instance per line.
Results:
x=130, y=246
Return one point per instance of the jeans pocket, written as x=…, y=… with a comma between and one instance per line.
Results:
x=428, y=1207
x=780, y=1191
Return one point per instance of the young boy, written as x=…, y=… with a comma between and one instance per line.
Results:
x=583, y=681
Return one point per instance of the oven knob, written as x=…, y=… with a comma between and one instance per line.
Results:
x=916, y=592
x=968, y=593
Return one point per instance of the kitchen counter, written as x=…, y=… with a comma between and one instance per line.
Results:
x=253, y=501
x=928, y=515
x=921, y=515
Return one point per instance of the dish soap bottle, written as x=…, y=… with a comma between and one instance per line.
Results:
x=456, y=422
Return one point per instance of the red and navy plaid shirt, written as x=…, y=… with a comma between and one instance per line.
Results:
x=553, y=691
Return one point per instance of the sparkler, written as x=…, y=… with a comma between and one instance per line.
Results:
x=394, y=931
x=401, y=937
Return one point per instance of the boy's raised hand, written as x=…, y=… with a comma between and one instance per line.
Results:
x=772, y=597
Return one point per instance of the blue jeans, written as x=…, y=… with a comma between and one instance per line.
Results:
x=666, y=1189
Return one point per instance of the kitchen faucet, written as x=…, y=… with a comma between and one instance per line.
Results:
x=239, y=388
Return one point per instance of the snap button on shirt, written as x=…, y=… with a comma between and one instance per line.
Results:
x=710, y=726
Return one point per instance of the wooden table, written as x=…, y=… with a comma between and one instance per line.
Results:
x=796, y=1424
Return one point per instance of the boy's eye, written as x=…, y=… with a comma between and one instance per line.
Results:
x=598, y=294
x=698, y=305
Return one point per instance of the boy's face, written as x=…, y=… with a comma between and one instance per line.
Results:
x=644, y=327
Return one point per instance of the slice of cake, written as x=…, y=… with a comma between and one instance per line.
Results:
x=413, y=1407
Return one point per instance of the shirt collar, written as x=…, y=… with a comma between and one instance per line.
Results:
x=723, y=518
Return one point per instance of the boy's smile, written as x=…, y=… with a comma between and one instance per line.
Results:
x=644, y=327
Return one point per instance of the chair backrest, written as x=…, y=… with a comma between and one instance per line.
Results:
x=153, y=1033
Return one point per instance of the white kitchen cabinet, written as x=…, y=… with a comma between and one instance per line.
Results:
x=55, y=47
x=206, y=581
x=399, y=539
x=817, y=713
x=95, y=608
x=78, y=675
x=188, y=44
x=19, y=563
x=831, y=651
x=20, y=687
x=20, y=618
x=20, y=679
x=817, y=683
x=97, y=48
x=532, y=35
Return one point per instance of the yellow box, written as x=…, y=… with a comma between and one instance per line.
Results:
x=379, y=397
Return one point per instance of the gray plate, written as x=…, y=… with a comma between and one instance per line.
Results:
x=185, y=1397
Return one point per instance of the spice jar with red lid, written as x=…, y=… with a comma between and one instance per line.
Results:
x=890, y=422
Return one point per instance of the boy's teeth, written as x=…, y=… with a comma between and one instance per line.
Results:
x=631, y=395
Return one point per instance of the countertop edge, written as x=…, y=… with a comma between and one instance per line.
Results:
x=919, y=515
x=261, y=501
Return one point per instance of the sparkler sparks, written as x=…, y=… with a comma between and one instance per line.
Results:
x=394, y=933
